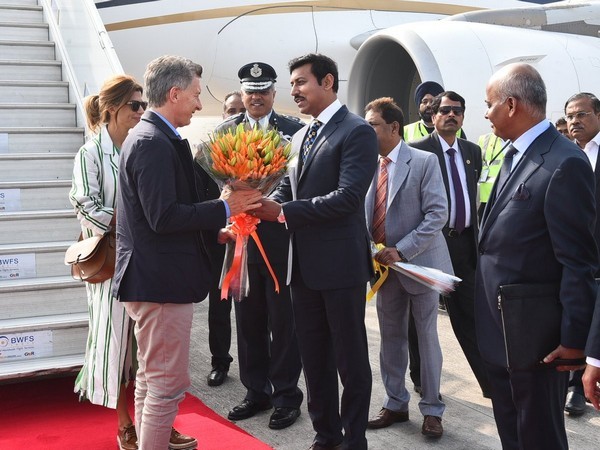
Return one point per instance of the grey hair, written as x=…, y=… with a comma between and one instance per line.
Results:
x=524, y=83
x=166, y=72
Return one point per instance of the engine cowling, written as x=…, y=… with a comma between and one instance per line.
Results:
x=462, y=56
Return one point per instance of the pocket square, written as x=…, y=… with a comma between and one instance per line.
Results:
x=521, y=193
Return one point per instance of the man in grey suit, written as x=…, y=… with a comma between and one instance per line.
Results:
x=460, y=161
x=536, y=230
x=406, y=209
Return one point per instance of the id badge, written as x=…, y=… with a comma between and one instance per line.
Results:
x=485, y=174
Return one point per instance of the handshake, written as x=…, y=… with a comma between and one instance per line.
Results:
x=251, y=201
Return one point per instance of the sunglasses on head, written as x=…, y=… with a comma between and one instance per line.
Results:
x=457, y=110
x=135, y=105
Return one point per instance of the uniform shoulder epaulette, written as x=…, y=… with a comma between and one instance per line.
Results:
x=228, y=122
x=292, y=118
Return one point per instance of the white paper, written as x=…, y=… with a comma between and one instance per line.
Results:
x=10, y=199
x=3, y=142
x=36, y=344
x=17, y=266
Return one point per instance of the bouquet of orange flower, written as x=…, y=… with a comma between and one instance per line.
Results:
x=242, y=157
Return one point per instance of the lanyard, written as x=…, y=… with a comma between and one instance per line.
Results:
x=506, y=144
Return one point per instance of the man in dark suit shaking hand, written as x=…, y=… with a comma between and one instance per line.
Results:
x=537, y=229
x=321, y=201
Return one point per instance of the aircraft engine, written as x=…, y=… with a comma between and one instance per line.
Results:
x=461, y=56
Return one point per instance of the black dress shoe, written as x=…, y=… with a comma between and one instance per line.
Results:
x=575, y=405
x=217, y=376
x=247, y=409
x=317, y=446
x=283, y=418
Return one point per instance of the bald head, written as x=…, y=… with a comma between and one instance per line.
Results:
x=516, y=99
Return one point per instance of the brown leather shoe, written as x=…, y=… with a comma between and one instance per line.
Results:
x=126, y=438
x=432, y=426
x=386, y=417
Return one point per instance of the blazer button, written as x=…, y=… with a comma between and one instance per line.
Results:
x=481, y=251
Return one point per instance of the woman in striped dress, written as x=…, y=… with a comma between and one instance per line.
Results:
x=108, y=358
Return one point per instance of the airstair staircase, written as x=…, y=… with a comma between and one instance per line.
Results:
x=43, y=311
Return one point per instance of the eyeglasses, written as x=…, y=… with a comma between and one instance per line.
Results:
x=445, y=110
x=578, y=115
x=135, y=105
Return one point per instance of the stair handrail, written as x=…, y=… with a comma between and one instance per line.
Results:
x=82, y=45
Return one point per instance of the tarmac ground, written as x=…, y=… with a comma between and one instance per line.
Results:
x=468, y=420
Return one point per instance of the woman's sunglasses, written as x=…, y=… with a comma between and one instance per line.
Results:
x=135, y=105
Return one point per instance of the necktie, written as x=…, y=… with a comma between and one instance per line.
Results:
x=505, y=169
x=310, y=139
x=380, y=202
x=459, y=197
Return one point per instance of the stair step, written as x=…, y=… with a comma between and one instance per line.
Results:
x=23, y=31
x=43, y=296
x=30, y=70
x=37, y=115
x=18, y=12
x=35, y=195
x=41, y=140
x=40, y=367
x=34, y=91
x=54, y=321
x=43, y=259
x=38, y=226
x=19, y=2
x=24, y=50
x=36, y=166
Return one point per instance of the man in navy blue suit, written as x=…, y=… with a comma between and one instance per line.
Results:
x=162, y=265
x=536, y=230
x=321, y=202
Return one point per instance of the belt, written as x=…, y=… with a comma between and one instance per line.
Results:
x=454, y=233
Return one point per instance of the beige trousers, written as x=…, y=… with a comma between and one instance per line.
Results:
x=163, y=332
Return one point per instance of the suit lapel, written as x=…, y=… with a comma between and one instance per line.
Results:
x=370, y=199
x=467, y=158
x=327, y=131
x=434, y=142
x=400, y=172
x=530, y=162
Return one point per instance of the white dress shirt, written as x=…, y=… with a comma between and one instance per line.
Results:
x=462, y=174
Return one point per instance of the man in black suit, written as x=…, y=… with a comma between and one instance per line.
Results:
x=460, y=161
x=582, y=116
x=219, y=311
x=591, y=376
x=267, y=347
x=321, y=202
x=537, y=229
x=162, y=266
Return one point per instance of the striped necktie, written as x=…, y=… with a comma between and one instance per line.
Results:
x=310, y=139
x=380, y=202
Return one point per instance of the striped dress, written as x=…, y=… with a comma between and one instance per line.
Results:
x=108, y=354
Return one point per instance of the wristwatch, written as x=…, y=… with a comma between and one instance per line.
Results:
x=402, y=258
x=281, y=217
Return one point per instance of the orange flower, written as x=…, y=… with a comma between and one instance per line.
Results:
x=248, y=155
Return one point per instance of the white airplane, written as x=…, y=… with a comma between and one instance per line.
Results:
x=223, y=36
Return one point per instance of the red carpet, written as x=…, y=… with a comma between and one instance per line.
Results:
x=46, y=415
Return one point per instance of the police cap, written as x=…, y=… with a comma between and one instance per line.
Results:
x=257, y=76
